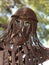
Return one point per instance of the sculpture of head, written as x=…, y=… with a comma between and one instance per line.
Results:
x=23, y=23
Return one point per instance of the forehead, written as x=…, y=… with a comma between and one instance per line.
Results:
x=25, y=19
x=22, y=18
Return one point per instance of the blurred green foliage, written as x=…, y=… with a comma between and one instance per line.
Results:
x=40, y=7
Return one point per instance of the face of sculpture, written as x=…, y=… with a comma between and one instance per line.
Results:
x=22, y=31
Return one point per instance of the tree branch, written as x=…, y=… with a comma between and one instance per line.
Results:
x=4, y=26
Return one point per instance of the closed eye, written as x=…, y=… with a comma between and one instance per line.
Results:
x=26, y=23
x=17, y=21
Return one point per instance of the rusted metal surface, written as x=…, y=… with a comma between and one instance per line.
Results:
x=20, y=45
x=1, y=57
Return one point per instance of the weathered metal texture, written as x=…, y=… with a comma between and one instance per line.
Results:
x=1, y=57
x=20, y=44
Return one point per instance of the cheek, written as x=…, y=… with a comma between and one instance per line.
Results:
x=15, y=40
